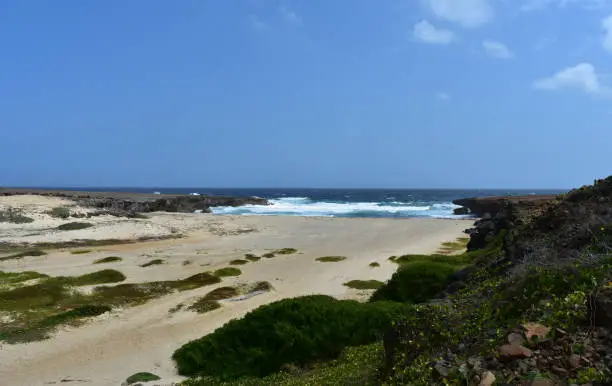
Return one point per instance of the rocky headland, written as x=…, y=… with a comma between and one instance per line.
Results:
x=127, y=204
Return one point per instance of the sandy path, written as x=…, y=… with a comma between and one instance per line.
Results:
x=112, y=347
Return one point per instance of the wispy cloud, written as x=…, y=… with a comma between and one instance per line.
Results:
x=468, y=13
x=606, y=24
x=443, y=96
x=257, y=23
x=535, y=5
x=291, y=17
x=582, y=77
x=425, y=32
x=497, y=49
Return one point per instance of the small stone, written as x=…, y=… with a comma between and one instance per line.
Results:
x=509, y=352
x=488, y=379
x=574, y=361
x=559, y=370
x=514, y=338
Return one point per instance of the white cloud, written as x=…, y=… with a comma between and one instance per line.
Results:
x=468, y=13
x=535, y=5
x=257, y=23
x=582, y=76
x=606, y=24
x=427, y=33
x=443, y=96
x=497, y=49
x=291, y=17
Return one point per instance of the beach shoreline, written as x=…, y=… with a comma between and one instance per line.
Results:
x=112, y=346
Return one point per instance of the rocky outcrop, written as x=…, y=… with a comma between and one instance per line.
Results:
x=123, y=203
x=480, y=206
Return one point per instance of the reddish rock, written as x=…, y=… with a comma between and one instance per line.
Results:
x=536, y=330
x=509, y=352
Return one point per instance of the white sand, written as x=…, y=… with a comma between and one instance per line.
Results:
x=113, y=346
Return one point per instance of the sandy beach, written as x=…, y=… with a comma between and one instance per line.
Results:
x=114, y=345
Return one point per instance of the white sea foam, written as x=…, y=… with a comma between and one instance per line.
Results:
x=303, y=206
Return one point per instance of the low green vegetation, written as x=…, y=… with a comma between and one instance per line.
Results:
x=26, y=253
x=32, y=310
x=268, y=255
x=80, y=251
x=152, y=262
x=364, y=284
x=14, y=216
x=451, y=247
x=415, y=282
x=221, y=293
x=292, y=331
x=330, y=259
x=252, y=257
x=109, y=259
x=202, y=306
x=285, y=251
x=374, y=264
x=141, y=377
x=73, y=226
x=228, y=271
x=59, y=212
x=238, y=262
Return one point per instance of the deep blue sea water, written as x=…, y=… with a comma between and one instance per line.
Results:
x=340, y=202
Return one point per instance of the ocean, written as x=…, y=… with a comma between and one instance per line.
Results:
x=394, y=203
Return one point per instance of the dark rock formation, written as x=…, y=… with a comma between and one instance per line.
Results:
x=126, y=204
x=479, y=206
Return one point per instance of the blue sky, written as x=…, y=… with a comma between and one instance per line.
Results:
x=310, y=93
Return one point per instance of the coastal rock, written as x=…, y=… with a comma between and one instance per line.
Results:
x=487, y=379
x=600, y=308
x=509, y=352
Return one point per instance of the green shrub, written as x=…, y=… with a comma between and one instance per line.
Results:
x=152, y=262
x=14, y=216
x=73, y=226
x=268, y=255
x=229, y=271
x=238, y=262
x=142, y=377
x=110, y=259
x=59, y=212
x=202, y=306
x=374, y=264
x=364, y=284
x=99, y=277
x=221, y=293
x=456, y=260
x=291, y=331
x=252, y=257
x=330, y=259
x=415, y=282
x=80, y=251
x=33, y=252
x=285, y=251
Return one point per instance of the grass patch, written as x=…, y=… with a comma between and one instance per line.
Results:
x=36, y=309
x=110, y=259
x=364, y=284
x=31, y=252
x=73, y=226
x=228, y=271
x=221, y=293
x=268, y=255
x=14, y=216
x=330, y=259
x=152, y=262
x=141, y=377
x=450, y=247
x=295, y=331
x=80, y=251
x=285, y=251
x=238, y=262
x=202, y=306
x=415, y=282
x=59, y=212
x=252, y=257
x=104, y=276
x=374, y=264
